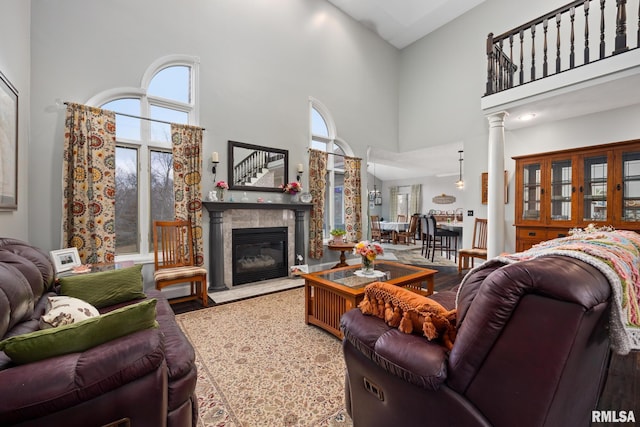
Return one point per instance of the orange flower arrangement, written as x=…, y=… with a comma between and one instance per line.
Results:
x=368, y=250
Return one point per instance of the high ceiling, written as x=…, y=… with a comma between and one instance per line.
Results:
x=402, y=22
x=439, y=161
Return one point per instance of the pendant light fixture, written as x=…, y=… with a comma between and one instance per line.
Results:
x=460, y=182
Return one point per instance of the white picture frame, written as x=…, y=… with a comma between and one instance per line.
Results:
x=65, y=259
x=297, y=270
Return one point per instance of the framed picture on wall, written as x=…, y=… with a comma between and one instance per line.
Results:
x=8, y=145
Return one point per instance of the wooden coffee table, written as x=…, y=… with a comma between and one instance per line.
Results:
x=331, y=293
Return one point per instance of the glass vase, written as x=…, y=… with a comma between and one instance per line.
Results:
x=220, y=194
x=367, y=266
x=294, y=198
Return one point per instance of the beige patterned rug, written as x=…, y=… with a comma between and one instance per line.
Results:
x=259, y=364
x=414, y=257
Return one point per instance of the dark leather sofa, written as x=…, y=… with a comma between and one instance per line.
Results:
x=146, y=378
x=532, y=349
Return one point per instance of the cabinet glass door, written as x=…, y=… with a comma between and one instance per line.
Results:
x=561, y=190
x=595, y=188
x=531, y=181
x=631, y=186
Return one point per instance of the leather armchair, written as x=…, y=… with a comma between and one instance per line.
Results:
x=532, y=349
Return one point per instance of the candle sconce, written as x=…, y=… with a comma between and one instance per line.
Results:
x=300, y=172
x=214, y=163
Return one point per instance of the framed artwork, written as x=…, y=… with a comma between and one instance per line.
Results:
x=485, y=187
x=297, y=270
x=8, y=145
x=65, y=259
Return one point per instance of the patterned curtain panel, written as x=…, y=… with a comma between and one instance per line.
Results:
x=88, y=180
x=352, y=199
x=414, y=206
x=393, y=203
x=317, y=188
x=187, y=179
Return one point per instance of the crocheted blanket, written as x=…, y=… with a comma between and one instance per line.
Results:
x=617, y=255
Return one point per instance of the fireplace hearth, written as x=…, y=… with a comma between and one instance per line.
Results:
x=259, y=254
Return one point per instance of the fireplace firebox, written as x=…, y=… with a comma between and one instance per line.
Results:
x=259, y=254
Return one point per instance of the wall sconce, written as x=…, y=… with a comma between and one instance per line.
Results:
x=300, y=172
x=460, y=182
x=214, y=162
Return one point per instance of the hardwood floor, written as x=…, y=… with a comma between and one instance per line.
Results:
x=622, y=386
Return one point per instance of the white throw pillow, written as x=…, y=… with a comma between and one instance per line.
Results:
x=66, y=310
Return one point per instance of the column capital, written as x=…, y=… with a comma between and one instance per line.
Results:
x=497, y=119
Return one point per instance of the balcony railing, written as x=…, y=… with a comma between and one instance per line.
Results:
x=511, y=56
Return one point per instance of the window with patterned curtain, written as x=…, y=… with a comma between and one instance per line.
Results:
x=168, y=95
x=324, y=138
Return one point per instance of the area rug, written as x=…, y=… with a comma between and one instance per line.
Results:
x=414, y=257
x=259, y=364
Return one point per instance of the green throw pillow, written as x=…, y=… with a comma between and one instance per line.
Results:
x=105, y=288
x=81, y=336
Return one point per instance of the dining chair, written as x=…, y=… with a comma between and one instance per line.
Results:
x=445, y=240
x=174, y=260
x=402, y=218
x=409, y=234
x=424, y=236
x=478, y=246
x=377, y=233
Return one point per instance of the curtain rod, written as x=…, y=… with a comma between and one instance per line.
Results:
x=334, y=154
x=144, y=118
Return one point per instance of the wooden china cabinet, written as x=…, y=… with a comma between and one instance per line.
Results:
x=561, y=190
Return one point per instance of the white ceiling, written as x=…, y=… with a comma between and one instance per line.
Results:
x=585, y=90
x=402, y=22
x=438, y=161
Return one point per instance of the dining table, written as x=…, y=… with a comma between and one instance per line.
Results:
x=394, y=227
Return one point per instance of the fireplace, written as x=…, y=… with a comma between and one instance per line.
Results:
x=259, y=254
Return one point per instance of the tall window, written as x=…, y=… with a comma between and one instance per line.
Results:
x=323, y=138
x=403, y=205
x=144, y=161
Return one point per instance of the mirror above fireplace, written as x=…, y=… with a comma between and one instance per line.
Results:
x=257, y=168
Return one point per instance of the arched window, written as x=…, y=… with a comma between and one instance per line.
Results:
x=324, y=138
x=144, y=161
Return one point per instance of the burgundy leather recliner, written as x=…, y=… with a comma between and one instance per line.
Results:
x=532, y=349
x=147, y=378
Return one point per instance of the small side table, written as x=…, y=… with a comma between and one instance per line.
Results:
x=342, y=247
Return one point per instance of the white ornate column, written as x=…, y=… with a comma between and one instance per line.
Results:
x=495, y=217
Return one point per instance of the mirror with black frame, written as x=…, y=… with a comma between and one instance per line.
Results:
x=257, y=168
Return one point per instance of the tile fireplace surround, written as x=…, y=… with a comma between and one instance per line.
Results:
x=225, y=216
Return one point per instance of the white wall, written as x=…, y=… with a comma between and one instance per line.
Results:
x=14, y=64
x=260, y=61
x=431, y=186
x=442, y=79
